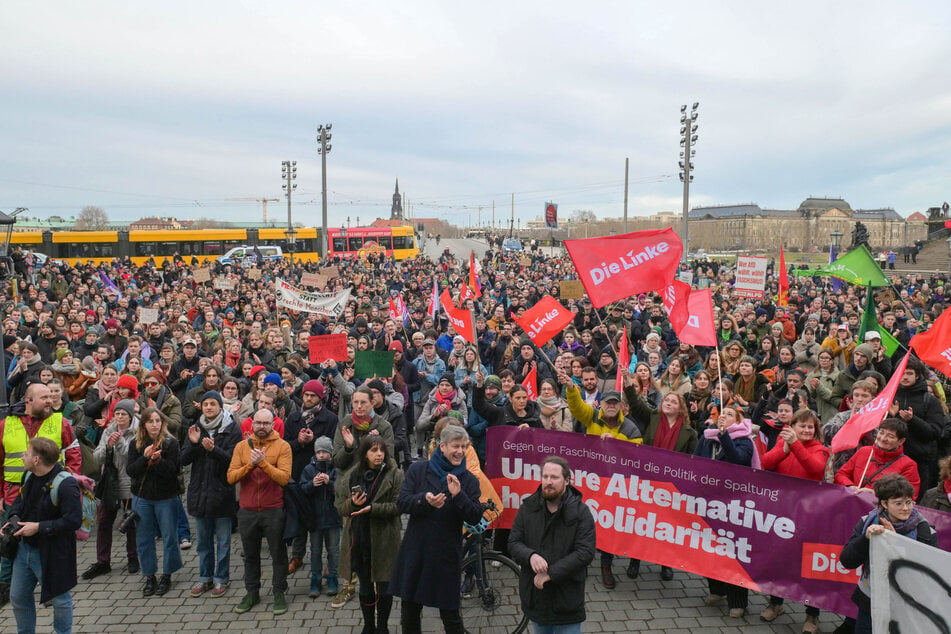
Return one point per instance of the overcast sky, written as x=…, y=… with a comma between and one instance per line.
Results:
x=170, y=108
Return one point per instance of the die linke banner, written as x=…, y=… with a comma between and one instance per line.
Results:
x=770, y=533
x=616, y=267
x=544, y=320
x=460, y=318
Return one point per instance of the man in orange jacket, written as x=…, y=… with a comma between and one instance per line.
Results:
x=262, y=464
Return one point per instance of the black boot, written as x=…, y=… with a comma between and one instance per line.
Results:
x=369, y=614
x=383, y=606
x=4, y=594
x=149, y=588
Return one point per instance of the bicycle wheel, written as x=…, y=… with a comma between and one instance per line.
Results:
x=494, y=606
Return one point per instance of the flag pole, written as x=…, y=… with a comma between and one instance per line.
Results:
x=865, y=470
x=610, y=343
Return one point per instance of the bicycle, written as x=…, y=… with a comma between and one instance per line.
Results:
x=492, y=603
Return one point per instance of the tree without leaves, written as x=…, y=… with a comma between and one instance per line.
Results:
x=92, y=218
x=209, y=223
x=583, y=215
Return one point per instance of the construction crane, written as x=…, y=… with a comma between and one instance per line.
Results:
x=263, y=201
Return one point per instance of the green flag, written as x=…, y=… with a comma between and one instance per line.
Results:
x=856, y=267
x=870, y=324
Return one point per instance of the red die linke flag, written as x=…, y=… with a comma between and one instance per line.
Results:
x=783, y=279
x=460, y=318
x=934, y=345
x=700, y=329
x=531, y=384
x=544, y=320
x=474, y=276
x=675, y=298
x=616, y=267
x=870, y=416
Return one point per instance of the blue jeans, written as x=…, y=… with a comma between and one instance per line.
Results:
x=214, y=533
x=164, y=515
x=573, y=628
x=27, y=572
x=184, y=532
x=329, y=537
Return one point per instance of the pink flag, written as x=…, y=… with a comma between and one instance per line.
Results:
x=623, y=361
x=675, y=298
x=531, y=384
x=871, y=415
x=699, y=329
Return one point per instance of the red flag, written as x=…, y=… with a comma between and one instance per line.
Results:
x=934, y=345
x=623, y=361
x=675, y=298
x=473, y=280
x=531, y=384
x=699, y=330
x=783, y=279
x=616, y=267
x=465, y=293
x=460, y=318
x=871, y=415
x=544, y=320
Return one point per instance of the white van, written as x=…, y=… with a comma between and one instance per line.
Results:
x=246, y=253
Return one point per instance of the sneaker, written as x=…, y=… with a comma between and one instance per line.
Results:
x=332, y=586
x=201, y=588
x=164, y=585
x=98, y=568
x=294, y=565
x=713, y=599
x=771, y=612
x=280, y=603
x=811, y=626
x=315, y=583
x=250, y=600
x=185, y=544
x=737, y=613
x=468, y=583
x=345, y=594
x=219, y=590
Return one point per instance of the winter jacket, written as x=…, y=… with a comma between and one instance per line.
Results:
x=805, y=460
x=649, y=419
x=158, y=480
x=807, y=353
x=594, y=421
x=261, y=485
x=936, y=498
x=209, y=493
x=427, y=421
x=478, y=424
x=822, y=393
x=322, y=497
x=881, y=462
x=118, y=454
x=566, y=540
x=322, y=422
x=343, y=456
x=733, y=450
x=505, y=414
x=925, y=428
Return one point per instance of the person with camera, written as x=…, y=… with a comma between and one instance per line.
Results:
x=115, y=491
x=209, y=445
x=153, y=465
x=45, y=533
x=262, y=464
x=30, y=418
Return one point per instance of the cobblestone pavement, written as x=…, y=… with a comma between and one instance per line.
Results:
x=114, y=603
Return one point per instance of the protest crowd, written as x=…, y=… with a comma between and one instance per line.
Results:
x=201, y=411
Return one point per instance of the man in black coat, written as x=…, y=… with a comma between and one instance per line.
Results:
x=49, y=530
x=300, y=430
x=925, y=418
x=553, y=540
x=208, y=447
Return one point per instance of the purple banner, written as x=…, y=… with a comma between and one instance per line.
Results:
x=768, y=532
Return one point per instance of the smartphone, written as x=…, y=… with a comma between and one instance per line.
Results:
x=356, y=489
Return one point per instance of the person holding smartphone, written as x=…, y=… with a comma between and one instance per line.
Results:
x=895, y=512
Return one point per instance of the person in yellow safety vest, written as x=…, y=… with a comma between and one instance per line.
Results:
x=31, y=418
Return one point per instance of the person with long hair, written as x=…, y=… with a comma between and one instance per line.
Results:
x=553, y=410
x=367, y=495
x=674, y=380
x=800, y=454
x=153, y=465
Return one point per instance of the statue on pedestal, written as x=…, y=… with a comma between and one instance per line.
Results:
x=859, y=235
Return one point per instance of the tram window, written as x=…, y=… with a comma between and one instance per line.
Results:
x=339, y=244
x=354, y=244
x=212, y=247
x=385, y=241
x=402, y=242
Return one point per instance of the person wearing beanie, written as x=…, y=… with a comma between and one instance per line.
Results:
x=128, y=383
x=527, y=360
x=389, y=404
x=606, y=370
x=317, y=482
x=207, y=447
x=157, y=394
x=273, y=379
x=861, y=360
x=312, y=420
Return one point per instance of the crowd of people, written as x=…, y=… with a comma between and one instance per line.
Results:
x=216, y=388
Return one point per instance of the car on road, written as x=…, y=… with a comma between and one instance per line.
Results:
x=512, y=244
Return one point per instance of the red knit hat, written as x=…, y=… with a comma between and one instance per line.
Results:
x=158, y=375
x=129, y=382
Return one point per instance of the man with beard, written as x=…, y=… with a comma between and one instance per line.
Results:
x=553, y=540
x=302, y=428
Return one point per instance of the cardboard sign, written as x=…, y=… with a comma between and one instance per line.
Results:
x=323, y=347
x=202, y=275
x=149, y=315
x=571, y=289
x=750, y=277
x=331, y=272
x=222, y=284
x=525, y=260
x=310, y=279
x=254, y=274
x=369, y=363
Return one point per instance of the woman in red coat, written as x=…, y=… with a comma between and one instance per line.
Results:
x=799, y=452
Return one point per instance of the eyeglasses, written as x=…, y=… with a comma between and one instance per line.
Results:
x=152, y=383
x=902, y=504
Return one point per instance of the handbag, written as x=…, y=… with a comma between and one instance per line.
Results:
x=107, y=489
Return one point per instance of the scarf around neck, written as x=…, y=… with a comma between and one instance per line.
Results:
x=440, y=465
x=361, y=424
x=550, y=405
x=66, y=368
x=445, y=400
x=214, y=423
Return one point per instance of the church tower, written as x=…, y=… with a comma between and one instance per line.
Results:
x=396, y=211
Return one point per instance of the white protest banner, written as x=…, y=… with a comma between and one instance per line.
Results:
x=148, y=315
x=909, y=585
x=222, y=284
x=324, y=304
x=750, y=277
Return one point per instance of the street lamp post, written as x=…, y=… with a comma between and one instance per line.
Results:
x=289, y=176
x=836, y=239
x=688, y=137
x=323, y=136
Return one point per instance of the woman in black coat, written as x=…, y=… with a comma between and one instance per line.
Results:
x=439, y=495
